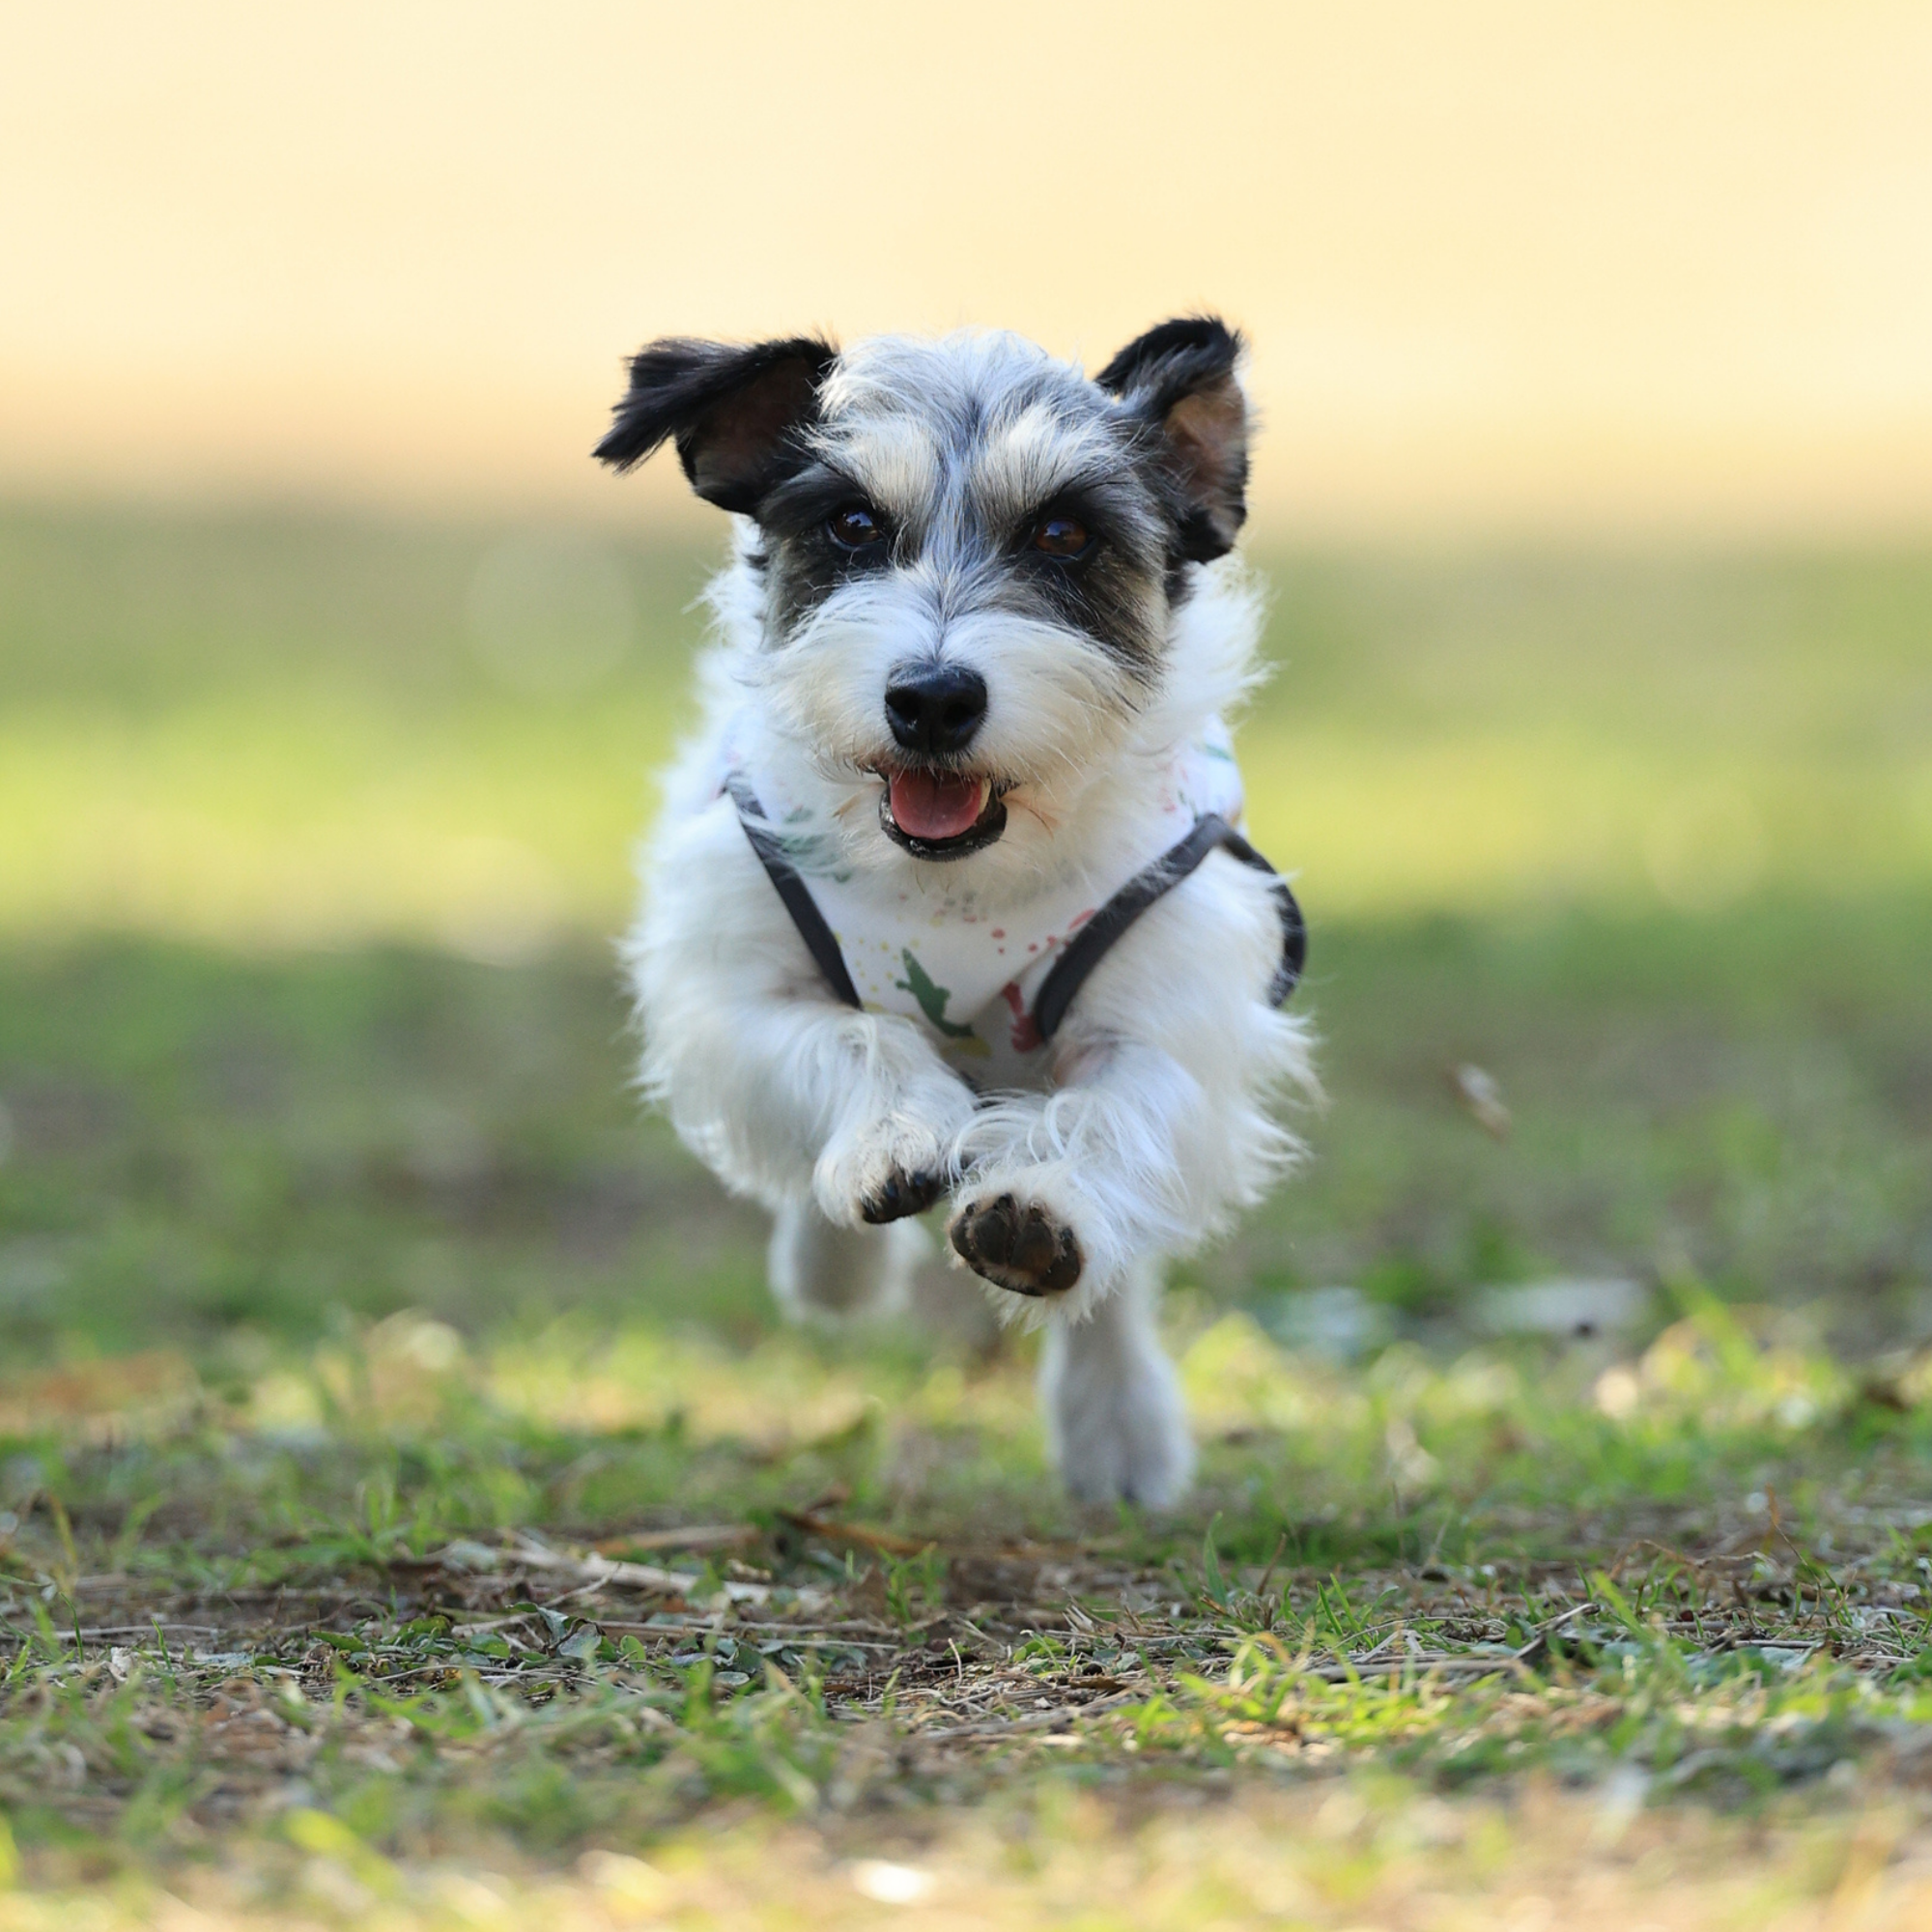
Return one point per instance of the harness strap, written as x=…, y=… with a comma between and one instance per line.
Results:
x=1089, y=946
x=793, y=891
x=1083, y=952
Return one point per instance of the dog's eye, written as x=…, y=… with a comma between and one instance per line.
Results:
x=1061, y=536
x=856, y=527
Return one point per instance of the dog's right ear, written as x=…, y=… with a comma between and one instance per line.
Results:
x=1184, y=378
x=733, y=411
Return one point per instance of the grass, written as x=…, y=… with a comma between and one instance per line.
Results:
x=402, y=1604
x=411, y=1513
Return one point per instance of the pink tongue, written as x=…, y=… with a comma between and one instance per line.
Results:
x=933, y=805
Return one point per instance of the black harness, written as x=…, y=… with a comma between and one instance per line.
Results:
x=1084, y=951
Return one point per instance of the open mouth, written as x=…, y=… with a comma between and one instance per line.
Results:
x=941, y=814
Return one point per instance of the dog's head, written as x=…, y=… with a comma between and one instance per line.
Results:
x=965, y=553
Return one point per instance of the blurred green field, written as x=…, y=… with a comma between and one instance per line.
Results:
x=331, y=1243
x=297, y=733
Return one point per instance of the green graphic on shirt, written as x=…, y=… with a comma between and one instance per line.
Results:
x=812, y=854
x=931, y=999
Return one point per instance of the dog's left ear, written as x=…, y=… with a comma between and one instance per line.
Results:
x=1183, y=378
x=731, y=409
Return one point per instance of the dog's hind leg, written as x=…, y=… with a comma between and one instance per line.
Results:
x=818, y=1269
x=1116, y=1422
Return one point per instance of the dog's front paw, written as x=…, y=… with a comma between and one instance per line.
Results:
x=902, y=1194
x=896, y=1164
x=1016, y=1245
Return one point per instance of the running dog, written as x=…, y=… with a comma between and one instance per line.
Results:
x=949, y=899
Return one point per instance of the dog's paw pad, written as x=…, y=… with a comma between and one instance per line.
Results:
x=1018, y=1247
x=901, y=1195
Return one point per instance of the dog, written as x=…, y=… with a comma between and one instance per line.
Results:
x=948, y=900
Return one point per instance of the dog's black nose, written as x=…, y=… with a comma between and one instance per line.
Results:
x=934, y=709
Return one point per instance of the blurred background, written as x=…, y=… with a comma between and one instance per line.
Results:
x=1593, y=348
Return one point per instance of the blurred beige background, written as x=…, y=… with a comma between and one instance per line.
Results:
x=1506, y=266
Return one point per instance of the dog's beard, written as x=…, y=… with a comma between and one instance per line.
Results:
x=1060, y=705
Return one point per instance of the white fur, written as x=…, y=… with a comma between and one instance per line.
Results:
x=1116, y=1423
x=818, y=1269
x=1157, y=1121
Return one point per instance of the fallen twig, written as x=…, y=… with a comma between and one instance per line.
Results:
x=706, y=1536
x=855, y=1532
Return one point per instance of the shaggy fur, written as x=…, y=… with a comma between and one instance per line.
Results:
x=1151, y=1121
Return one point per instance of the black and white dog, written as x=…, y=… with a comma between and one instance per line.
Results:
x=948, y=898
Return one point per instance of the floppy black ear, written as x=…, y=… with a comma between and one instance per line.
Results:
x=732, y=411
x=1181, y=375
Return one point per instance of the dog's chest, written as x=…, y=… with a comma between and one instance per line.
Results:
x=933, y=949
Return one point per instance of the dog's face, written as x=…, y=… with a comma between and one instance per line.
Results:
x=967, y=551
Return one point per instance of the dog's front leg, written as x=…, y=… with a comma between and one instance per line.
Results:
x=780, y=1089
x=896, y=1113
x=1065, y=1192
x=1160, y=1124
